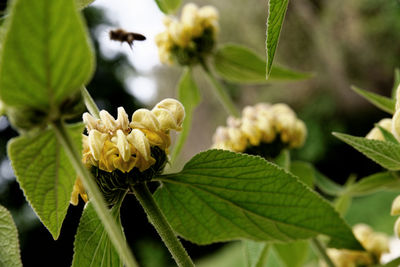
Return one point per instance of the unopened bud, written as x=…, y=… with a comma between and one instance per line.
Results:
x=143, y=118
x=395, y=206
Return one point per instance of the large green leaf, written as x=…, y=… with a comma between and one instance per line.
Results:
x=384, y=103
x=304, y=171
x=190, y=97
x=45, y=174
x=221, y=195
x=168, y=6
x=276, y=14
x=387, y=154
x=45, y=56
x=374, y=183
x=326, y=185
x=92, y=245
x=9, y=244
x=239, y=64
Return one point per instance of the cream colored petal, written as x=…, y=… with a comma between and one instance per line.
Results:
x=123, y=146
x=108, y=120
x=176, y=108
x=362, y=232
x=251, y=131
x=140, y=142
x=96, y=141
x=221, y=135
x=143, y=118
x=249, y=112
x=166, y=119
x=282, y=108
x=209, y=13
x=233, y=122
x=90, y=122
x=189, y=16
x=395, y=206
x=396, y=125
x=122, y=119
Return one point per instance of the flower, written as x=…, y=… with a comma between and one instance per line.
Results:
x=189, y=39
x=376, y=133
x=374, y=243
x=259, y=125
x=124, y=146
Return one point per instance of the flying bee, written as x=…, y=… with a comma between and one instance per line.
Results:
x=124, y=36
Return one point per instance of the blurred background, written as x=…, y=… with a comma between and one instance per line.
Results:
x=342, y=42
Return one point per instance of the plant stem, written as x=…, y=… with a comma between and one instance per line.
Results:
x=221, y=93
x=322, y=252
x=157, y=218
x=114, y=232
x=89, y=102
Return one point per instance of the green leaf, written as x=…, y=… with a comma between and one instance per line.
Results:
x=392, y=263
x=189, y=95
x=83, y=3
x=221, y=195
x=396, y=83
x=255, y=253
x=293, y=254
x=374, y=183
x=384, y=103
x=384, y=153
x=92, y=247
x=276, y=14
x=45, y=174
x=304, y=171
x=387, y=135
x=168, y=6
x=239, y=64
x=9, y=244
x=46, y=54
x=228, y=256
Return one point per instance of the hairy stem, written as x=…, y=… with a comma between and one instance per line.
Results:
x=322, y=251
x=114, y=232
x=89, y=103
x=157, y=218
x=221, y=93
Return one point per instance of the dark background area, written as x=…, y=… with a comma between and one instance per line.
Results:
x=365, y=55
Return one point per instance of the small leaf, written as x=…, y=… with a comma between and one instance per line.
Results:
x=276, y=14
x=45, y=174
x=46, y=55
x=83, y=3
x=255, y=253
x=239, y=64
x=374, y=183
x=387, y=135
x=304, y=171
x=384, y=153
x=221, y=195
x=384, y=103
x=396, y=83
x=293, y=254
x=92, y=246
x=189, y=95
x=9, y=244
x=326, y=185
x=168, y=6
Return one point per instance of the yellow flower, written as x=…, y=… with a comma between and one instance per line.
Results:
x=78, y=190
x=376, y=133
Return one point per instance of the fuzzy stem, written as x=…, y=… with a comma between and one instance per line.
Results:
x=221, y=93
x=322, y=252
x=157, y=218
x=113, y=231
x=89, y=103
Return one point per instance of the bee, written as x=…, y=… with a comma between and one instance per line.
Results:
x=124, y=36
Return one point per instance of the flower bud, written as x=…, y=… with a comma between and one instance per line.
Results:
x=108, y=121
x=78, y=190
x=175, y=107
x=395, y=206
x=122, y=119
x=376, y=133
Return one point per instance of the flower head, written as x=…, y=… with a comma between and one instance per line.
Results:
x=189, y=39
x=122, y=146
x=261, y=124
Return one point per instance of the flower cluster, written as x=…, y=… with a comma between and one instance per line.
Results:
x=122, y=145
x=187, y=41
x=261, y=124
x=374, y=243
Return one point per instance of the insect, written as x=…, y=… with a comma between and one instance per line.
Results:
x=124, y=36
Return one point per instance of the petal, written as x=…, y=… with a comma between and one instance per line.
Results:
x=176, y=108
x=140, y=142
x=395, y=206
x=166, y=119
x=90, y=122
x=122, y=119
x=96, y=142
x=143, y=118
x=108, y=120
x=123, y=145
